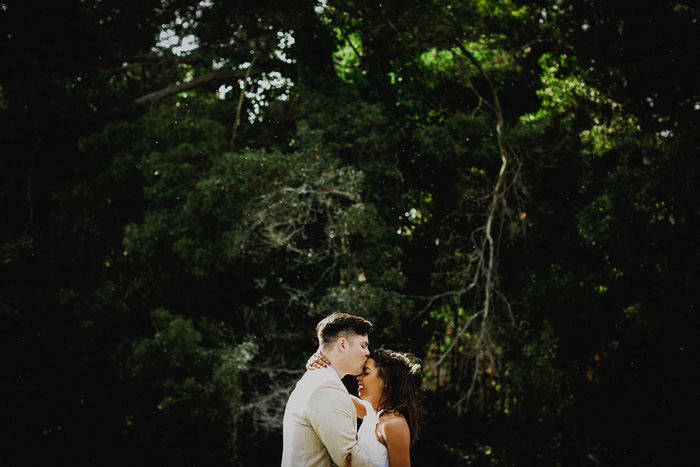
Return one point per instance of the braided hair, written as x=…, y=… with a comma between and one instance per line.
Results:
x=399, y=394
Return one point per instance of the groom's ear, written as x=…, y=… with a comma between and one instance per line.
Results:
x=342, y=344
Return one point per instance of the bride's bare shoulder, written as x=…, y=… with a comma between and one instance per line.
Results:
x=392, y=427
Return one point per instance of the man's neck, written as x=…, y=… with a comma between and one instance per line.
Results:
x=336, y=370
x=336, y=365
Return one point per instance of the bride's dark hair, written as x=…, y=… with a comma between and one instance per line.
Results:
x=399, y=394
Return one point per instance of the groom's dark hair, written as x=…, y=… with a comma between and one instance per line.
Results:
x=330, y=328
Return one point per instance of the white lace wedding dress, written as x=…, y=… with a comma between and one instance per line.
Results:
x=367, y=437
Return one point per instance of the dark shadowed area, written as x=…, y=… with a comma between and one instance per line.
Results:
x=507, y=189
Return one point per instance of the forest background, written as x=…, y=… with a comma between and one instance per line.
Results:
x=507, y=189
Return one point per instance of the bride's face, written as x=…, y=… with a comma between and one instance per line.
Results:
x=370, y=384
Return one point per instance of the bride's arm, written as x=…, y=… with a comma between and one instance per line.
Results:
x=397, y=438
x=361, y=410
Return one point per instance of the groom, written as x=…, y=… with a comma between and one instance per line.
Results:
x=320, y=421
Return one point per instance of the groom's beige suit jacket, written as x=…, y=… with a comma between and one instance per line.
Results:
x=320, y=423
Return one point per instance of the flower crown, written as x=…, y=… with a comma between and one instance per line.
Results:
x=410, y=361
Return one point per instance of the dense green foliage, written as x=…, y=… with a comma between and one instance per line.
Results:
x=506, y=189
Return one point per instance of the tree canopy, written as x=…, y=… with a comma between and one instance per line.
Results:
x=506, y=189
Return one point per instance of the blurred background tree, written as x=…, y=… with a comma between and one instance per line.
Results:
x=504, y=188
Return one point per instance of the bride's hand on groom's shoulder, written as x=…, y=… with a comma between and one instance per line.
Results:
x=317, y=362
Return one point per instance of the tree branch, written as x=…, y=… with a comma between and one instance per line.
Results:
x=240, y=102
x=486, y=241
x=218, y=75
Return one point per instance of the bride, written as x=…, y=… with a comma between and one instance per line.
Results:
x=388, y=406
